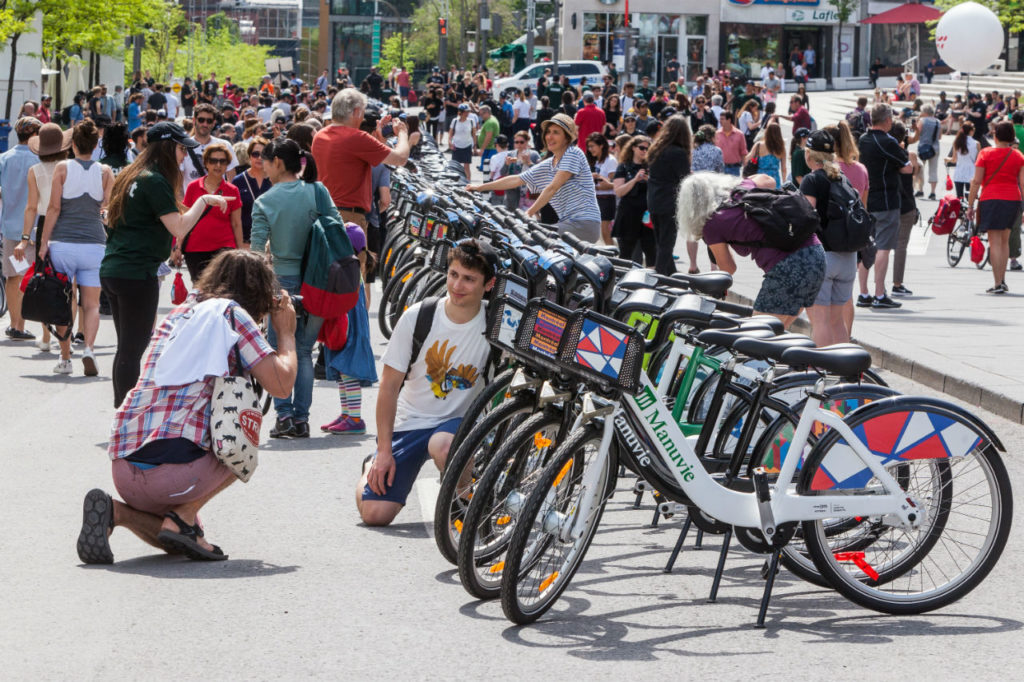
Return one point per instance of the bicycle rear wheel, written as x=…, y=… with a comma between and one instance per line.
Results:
x=961, y=486
x=544, y=556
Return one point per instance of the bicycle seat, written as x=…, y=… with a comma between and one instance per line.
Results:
x=726, y=338
x=713, y=284
x=637, y=279
x=691, y=309
x=771, y=348
x=844, y=359
x=646, y=301
x=767, y=321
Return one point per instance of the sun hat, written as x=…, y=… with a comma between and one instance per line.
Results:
x=51, y=140
x=563, y=122
x=165, y=130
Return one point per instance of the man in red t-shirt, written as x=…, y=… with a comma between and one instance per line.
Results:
x=404, y=82
x=344, y=154
x=589, y=119
x=799, y=115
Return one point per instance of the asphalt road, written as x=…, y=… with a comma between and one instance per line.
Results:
x=310, y=593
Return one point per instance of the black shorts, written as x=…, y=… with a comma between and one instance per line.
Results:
x=998, y=214
x=606, y=202
x=463, y=154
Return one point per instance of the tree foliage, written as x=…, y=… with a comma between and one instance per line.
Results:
x=421, y=46
x=395, y=52
x=1010, y=12
x=96, y=25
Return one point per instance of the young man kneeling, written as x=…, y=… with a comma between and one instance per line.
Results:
x=417, y=420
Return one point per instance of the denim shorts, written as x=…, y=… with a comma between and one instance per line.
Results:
x=80, y=262
x=409, y=449
x=793, y=283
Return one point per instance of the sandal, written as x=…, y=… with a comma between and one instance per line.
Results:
x=186, y=543
x=97, y=520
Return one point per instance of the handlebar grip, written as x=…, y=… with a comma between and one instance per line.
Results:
x=734, y=308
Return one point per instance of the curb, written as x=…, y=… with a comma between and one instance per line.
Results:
x=996, y=403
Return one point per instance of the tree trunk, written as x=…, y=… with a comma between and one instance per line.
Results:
x=10, y=75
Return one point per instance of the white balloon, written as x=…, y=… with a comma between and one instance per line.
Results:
x=969, y=37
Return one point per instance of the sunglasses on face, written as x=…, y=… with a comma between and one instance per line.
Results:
x=643, y=149
x=217, y=161
x=255, y=154
x=204, y=120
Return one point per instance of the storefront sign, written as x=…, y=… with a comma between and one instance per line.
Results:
x=812, y=16
x=791, y=3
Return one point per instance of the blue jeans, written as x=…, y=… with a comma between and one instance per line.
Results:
x=486, y=154
x=306, y=330
x=734, y=170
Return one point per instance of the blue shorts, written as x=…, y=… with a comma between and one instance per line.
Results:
x=80, y=262
x=409, y=449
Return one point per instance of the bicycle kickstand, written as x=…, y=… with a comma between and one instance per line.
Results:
x=769, y=583
x=699, y=542
x=726, y=540
x=679, y=545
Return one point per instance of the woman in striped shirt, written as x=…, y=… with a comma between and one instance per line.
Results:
x=563, y=179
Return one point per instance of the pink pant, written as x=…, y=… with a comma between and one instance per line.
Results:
x=159, y=489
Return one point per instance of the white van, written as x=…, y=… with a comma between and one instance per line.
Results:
x=591, y=70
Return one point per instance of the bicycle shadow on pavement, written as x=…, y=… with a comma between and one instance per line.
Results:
x=413, y=529
x=175, y=567
x=616, y=636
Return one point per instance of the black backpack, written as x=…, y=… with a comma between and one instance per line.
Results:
x=787, y=218
x=855, y=119
x=849, y=226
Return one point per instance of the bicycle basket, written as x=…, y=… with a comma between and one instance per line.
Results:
x=582, y=344
x=505, y=312
x=439, y=256
x=415, y=224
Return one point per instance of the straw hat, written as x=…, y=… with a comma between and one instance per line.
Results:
x=563, y=122
x=50, y=140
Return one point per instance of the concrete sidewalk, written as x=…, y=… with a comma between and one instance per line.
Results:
x=950, y=335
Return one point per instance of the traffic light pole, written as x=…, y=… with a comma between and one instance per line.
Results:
x=442, y=48
x=556, y=39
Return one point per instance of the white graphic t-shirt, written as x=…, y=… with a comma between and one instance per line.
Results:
x=448, y=373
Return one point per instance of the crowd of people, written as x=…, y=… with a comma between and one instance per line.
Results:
x=227, y=181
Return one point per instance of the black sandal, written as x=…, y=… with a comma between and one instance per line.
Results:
x=186, y=543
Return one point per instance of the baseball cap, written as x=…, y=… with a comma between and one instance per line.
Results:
x=478, y=247
x=463, y=107
x=165, y=130
x=801, y=132
x=821, y=141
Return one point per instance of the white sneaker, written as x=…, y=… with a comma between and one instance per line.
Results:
x=62, y=367
x=89, y=362
x=44, y=346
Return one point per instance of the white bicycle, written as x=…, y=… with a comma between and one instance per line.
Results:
x=904, y=504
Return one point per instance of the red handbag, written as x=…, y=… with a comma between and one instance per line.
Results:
x=977, y=249
x=949, y=183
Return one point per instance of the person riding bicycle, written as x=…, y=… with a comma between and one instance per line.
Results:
x=420, y=405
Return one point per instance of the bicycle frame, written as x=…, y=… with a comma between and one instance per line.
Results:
x=741, y=508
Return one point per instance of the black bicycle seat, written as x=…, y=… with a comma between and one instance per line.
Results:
x=726, y=338
x=843, y=359
x=772, y=348
x=647, y=301
x=714, y=284
x=767, y=321
x=691, y=309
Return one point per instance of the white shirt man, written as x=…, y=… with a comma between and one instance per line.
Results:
x=172, y=105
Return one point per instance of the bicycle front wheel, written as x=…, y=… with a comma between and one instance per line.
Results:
x=961, y=486
x=550, y=540
x=955, y=245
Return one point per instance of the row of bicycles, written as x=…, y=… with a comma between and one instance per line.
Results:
x=604, y=372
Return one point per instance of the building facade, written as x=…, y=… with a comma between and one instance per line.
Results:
x=741, y=35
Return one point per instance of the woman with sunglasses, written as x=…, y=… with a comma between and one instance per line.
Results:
x=144, y=216
x=215, y=231
x=252, y=183
x=631, y=188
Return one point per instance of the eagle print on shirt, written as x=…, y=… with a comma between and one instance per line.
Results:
x=443, y=379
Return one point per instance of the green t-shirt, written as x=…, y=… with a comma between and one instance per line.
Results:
x=139, y=242
x=1019, y=131
x=798, y=164
x=491, y=124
